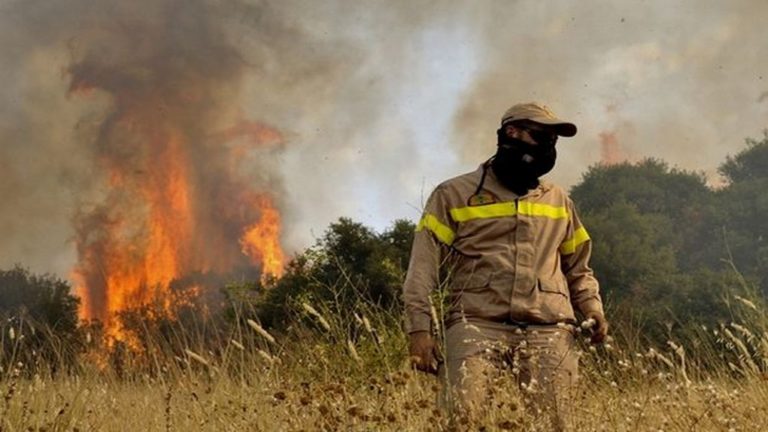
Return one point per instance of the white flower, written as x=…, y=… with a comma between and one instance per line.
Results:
x=588, y=324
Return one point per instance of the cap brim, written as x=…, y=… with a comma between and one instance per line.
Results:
x=562, y=128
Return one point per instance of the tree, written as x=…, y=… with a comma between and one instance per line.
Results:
x=41, y=315
x=656, y=242
x=743, y=205
x=632, y=255
x=680, y=197
x=42, y=299
x=749, y=164
x=350, y=264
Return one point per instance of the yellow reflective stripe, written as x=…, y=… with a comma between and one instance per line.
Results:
x=545, y=210
x=569, y=246
x=464, y=214
x=443, y=233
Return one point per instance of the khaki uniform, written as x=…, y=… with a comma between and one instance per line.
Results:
x=542, y=360
x=506, y=260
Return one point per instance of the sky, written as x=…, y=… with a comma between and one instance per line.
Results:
x=377, y=101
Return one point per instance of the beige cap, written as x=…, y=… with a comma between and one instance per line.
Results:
x=541, y=114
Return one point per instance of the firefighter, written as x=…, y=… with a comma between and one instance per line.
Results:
x=511, y=258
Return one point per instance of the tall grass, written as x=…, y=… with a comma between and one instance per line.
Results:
x=335, y=369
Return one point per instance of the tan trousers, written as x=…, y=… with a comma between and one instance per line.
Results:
x=542, y=360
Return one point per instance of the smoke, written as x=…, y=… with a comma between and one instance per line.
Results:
x=677, y=82
x=117, y=113
x=344, y=108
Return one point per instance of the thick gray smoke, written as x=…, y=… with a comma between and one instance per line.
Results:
x=376, y=101
x=680, y=81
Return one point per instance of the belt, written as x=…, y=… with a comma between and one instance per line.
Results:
x=524, y=325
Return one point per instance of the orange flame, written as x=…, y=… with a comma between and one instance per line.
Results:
x=147, y=250
x=172, y=210
x=261, y=241
x=153, y=230
x=610, y=150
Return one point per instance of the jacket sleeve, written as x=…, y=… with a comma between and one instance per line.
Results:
x=434, y=235
x=575, y=252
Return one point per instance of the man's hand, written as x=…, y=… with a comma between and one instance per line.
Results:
x=600, y=328
x=422, y=352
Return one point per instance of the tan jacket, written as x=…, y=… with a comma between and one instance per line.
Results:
x=501, y=256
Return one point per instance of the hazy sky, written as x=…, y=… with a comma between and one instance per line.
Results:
x=379, y=101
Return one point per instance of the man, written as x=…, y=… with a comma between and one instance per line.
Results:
x=512, y=257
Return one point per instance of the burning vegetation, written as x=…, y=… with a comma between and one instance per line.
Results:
x=174, y=198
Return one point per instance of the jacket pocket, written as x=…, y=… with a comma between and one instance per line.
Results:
x=556, y=285
x=475, y=281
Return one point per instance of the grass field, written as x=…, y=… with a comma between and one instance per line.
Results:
x=323, y=375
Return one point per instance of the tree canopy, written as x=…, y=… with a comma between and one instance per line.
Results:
x=43, y=299
x=350, y=263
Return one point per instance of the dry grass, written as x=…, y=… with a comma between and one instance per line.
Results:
x=324, y=376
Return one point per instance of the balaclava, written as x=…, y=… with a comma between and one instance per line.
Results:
x=518, y=164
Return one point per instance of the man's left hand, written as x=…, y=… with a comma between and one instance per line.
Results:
x=600, y=329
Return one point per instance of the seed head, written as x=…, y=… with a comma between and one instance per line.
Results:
x=312, y=311
x=367, y=324
x=196, y=357
x=237, y=345
x=260, y=330
x=265, y=356
x=353, y=351
x=748, y=303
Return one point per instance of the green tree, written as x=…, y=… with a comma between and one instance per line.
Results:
x=657, y=243
x=349, y=264
x=632, y=254
x=743, y=205
x=38, y=314
x=680, y=197
x=42, y=299
x=749, y=164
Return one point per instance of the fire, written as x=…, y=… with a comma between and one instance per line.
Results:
x=139, y=250
x=261, y=241
x=175, y=204
x=610, y=150
x=181, y=178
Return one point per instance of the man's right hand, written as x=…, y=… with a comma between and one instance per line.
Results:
x=422, y=352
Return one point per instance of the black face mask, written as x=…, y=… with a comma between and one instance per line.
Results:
x=518, y=164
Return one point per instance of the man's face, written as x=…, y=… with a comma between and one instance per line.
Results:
x=531, y=133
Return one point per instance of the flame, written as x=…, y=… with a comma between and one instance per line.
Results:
x=180, y=201
x=157, y=225
x=261, y=241
x=143, y=251
x=610, y=150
